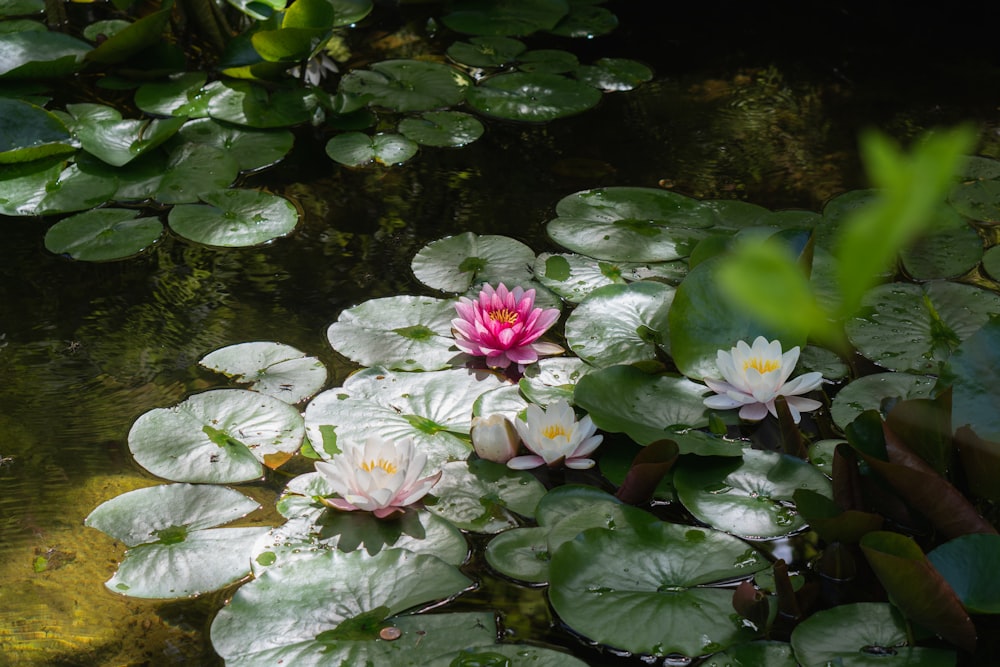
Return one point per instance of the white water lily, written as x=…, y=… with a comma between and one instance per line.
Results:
x=494, y=438
x=556, y=438
x=755, y=376
x=379, y=476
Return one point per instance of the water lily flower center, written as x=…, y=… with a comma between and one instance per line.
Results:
x=554, y=431
x=504, y=316
x=388, y=466
x=762, y=365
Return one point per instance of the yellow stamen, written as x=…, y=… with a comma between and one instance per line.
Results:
x=554, y=431
x=387, y=466
x=762, y=366
x=504, y=315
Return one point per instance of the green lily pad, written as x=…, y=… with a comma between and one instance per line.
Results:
x=704, y=320
x=949, y=249
x=553, y=379
x=252, y=149
x=28, y=132
x=625, y=224
x=408, y=333
x=821, y=454
x=547, y=61
x=193, y=169
x=531, y=96
x=511, y=18
x=614, y=74
x=585, y=21
x=972, y=371
x=486, y=51
x=977, y=200
x=103, y=133
x=969, y=564
x=621, y=324
x=103, y=234
x=220, y=436
x=762, y=652
x=991, y=262
x=868, y=392
x=751, y=497
x=640, y=590
x=142, y=178
x=234, y=218
x=433, y=408
x=442, y=128
x=506, y=400
x=573, y=276
x=279, y=614
x=512, y=654
x=313, y=525
x=182, y=95
x=356, y=149
x=457, y=263
x=246, y=103
x=50, y=186
x=130, y=40
x=906, y=327
x=623, y=399
x=274, y=369
x=408, y=85
x=33, y=54
x=103, y=29
x=821, y=360
x=863, y=634
x=22, y=7
x=485, y=497
x=521, y=553
x=174, y=549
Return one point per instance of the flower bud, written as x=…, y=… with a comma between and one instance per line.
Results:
x=494, y=438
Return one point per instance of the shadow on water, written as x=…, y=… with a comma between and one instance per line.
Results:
x=751, y=103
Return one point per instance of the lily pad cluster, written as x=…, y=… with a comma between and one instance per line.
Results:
x=637, y=277
x=176, y=159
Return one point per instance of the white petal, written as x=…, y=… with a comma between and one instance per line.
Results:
x=721, y=403
x=802, y=384
x=753, y=412
x=525, y=462
x=579, y=464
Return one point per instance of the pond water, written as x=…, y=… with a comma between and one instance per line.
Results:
x=762, y=105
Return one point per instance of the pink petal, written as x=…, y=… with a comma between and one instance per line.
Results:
x=525, y=462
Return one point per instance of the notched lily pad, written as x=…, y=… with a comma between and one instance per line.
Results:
x=457, y=263
x=531, y=97
x=442, y=128
x=483, y=496
x=356, y=149
x=103, y=234
x=271, y=368
x=234, y=218
x=408, y=85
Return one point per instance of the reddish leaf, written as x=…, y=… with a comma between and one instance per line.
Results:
x=791, y=437
x=924, y=424
x=919, y=590
x=751, y=604
x=648, y=467
x=830, y=522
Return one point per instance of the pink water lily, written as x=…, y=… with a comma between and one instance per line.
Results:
x=756, y=376
x=380, y=476
x=504, y=326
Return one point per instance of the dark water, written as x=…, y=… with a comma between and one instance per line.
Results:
x=759, y=104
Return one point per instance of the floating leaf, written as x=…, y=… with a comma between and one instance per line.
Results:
x=969, y=563
x=486, y=51
x=433, y=409
x=638, y=589
x=234, y=218
x=442, y=128
x=457, y=263
x=103, y=133
x=552, y=379
x=132, y=39
x=28, y=132
x=621, y=324
x=220, y=436
x=102, y=234
x=279, y=614
x=174, y=550
x=271, y=368
x=407, y=85
x=573, y=276
x=33, y=54
x=356, y=149
x=614, y=74
x=586, y=20
x=949, y=249
x=182, y=95
x=399, y=332
x=863, y=634
x=192, y=170
x=868, y=392
x=483, y=496
x=625, y=399
x=908, y=327
x=513, y=17
x=252, y=149
x=751, y=497
x=245, y=103
x=531, y=97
